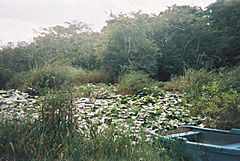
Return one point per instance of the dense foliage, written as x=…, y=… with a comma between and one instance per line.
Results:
x=177, y=39
x=213, y=94
x=178, y=67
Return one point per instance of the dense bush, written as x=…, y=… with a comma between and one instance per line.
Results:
x=47, y=77
x=191, y=81
x=230, y=78
x=18, y=81
x=53, y=77
x=213, y=94
x=134, y=82
x=5, y=75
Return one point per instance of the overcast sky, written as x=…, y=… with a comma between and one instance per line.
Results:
x=18, y=18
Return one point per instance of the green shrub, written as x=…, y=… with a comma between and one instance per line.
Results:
x=19, y=81
x=53, y=77
x=230, y=78
x=222, y=109
x=80, y=76
x=134, y=82
x=214, y=95
x=191, y=81
x=98, y=76
x=5, y=75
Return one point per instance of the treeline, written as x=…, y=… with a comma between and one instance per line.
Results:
x=180, y=38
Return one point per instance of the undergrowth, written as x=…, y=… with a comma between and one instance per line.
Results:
x=136, y=82
x=214, y=95
x=53, y=77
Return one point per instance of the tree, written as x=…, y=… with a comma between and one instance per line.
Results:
x=73, y=43
x=184, y=36
x=224, y=18
x=126, y=46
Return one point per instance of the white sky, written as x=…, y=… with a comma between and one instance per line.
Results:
x=18, y=18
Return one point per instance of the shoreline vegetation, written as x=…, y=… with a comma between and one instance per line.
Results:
x=74, y=94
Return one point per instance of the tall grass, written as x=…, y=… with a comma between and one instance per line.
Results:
x=44, y=138
x=25, y=142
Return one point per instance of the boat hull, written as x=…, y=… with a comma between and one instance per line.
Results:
x=204, y=144
x=205, y=152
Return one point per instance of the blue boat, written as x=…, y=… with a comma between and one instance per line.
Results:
x=205, y=144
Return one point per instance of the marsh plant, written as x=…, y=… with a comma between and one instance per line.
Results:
x=56, y=135
x=44, y=138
